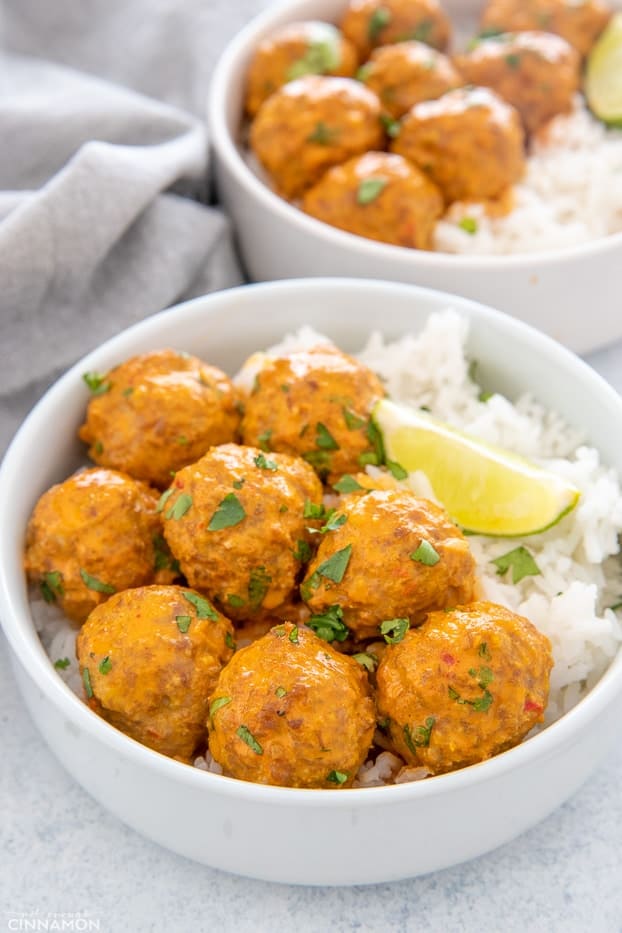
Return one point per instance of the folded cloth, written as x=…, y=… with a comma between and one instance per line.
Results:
x=102, y=191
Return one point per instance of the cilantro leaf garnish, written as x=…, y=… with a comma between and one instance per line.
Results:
x=258, y=585
x=204, y=608
x=52, y=586
x=163, y=559
x=426, y=554
x=61, y=664
x=337, y=777
x=394, y=630
x=183, y=623
x=293, y=635
x=366, y=660
x=520, y=561
x=324, y=439
x=322, y=135
x=377, y=22
x=94, y=584
x=230, y=512
x=347, y=484
x=397, y=470
x=303, y=551
x=369, y=189
x=469, y=225
x=311, y=510
x=236, y=601
x=375, y=438
x=336, y=565
x=229, y=640
x=217, y=704
x=392, y=127
x=308, y=586
x=484, y=651
x=319, y=58
x=263, y=441
x=419, y=737
x=333, y=522
x=105, y=665
x=329, y=626
x=513, y=61
x=353, y=422
x=97, y=383
x=86, y=680
x=263, y=463
x=280, y=692
x=179, y=507
x=244, y=733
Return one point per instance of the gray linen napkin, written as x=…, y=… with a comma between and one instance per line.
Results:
x=102, y=189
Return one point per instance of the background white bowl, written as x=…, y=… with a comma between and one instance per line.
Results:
x=571, y=294
x=280, y=834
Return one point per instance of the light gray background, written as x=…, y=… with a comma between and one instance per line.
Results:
x=61, y=853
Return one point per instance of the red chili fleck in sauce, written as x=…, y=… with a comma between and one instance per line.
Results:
x=447, y=658
x=532, y=707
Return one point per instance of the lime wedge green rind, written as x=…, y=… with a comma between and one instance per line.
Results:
x=603, y=75
x=485, y=489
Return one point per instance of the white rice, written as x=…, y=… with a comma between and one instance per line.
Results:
x=571, y=194
x=581, y=572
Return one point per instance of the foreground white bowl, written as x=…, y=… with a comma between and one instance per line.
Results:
x=554, y=291
x=280, y=834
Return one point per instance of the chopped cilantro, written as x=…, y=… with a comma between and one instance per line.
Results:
x=520, y=561
x=238, y=483
x=204, y=608
x=127, y=391
x=419, y=737
x=98, y=448
x=375, y=438
x=229, y=640
x=366, y=660
x=422, y=32
x=183, y=623
x=230, y=512
x=244, y=733
x=337, y=777
x=164, y=499
x=394, y=630
x=324, y=439
x=94, y=584
x=236, y=601
x=183, y=440
x=311, y=510
x=52, y=585
x=179, y=507
x=378, y=20
x=397, y=470
x=280, y=692
x=322, y=135
x=105, y=665
x=363, y=72
x=484, y=651
x=163, y=559
x=353, y=422
x=283, y=508
x=513, y=61
x=293, y=635
x=303, y=551
x=469, y=225
x=336, y=565
x=308, y=586
x=61, y=664
x=263, y=441
x=258, y=585
x=369, y=189
x=96, y=383
x=392, y=127
x=86, y=680
x=347, y=484
x=217, y=704
x=329, y=626
x=426, y=554
x=319, y=58
x=264, y=464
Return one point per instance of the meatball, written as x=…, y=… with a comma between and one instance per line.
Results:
x=94, y=534
x=290, y=710
x=469, y=142
x=312, y=124
x=466, y=685
x=579, y=23
x=536, y=72
x=235, y=520
x=149, y=659
x=369, y=23
x=404, y=74
x=392, y=557
x=315, y=403
x=380, y=196
x=293, y=51
x=157, y=412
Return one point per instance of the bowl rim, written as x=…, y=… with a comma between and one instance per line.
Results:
x=31, y=656
x=232, y=60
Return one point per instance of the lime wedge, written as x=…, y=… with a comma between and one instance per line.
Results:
x=485, y=489
x=603, y=76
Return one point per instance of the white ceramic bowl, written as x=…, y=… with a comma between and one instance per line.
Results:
x=554, y=291
x=280, y=834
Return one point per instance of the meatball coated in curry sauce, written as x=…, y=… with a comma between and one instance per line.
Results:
x=391, y=556
x=149, y=659
x=406, y=73
x=312, y=124
x=467, y=684
x=369, y=23
x=235, y=522
x=157, y=412
x=579, y=22
x=536, y=72
x=290, y=710
x=380, y=196
x=94, y=534
x=294, y=51
x=315, y=403
x=469, y=142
